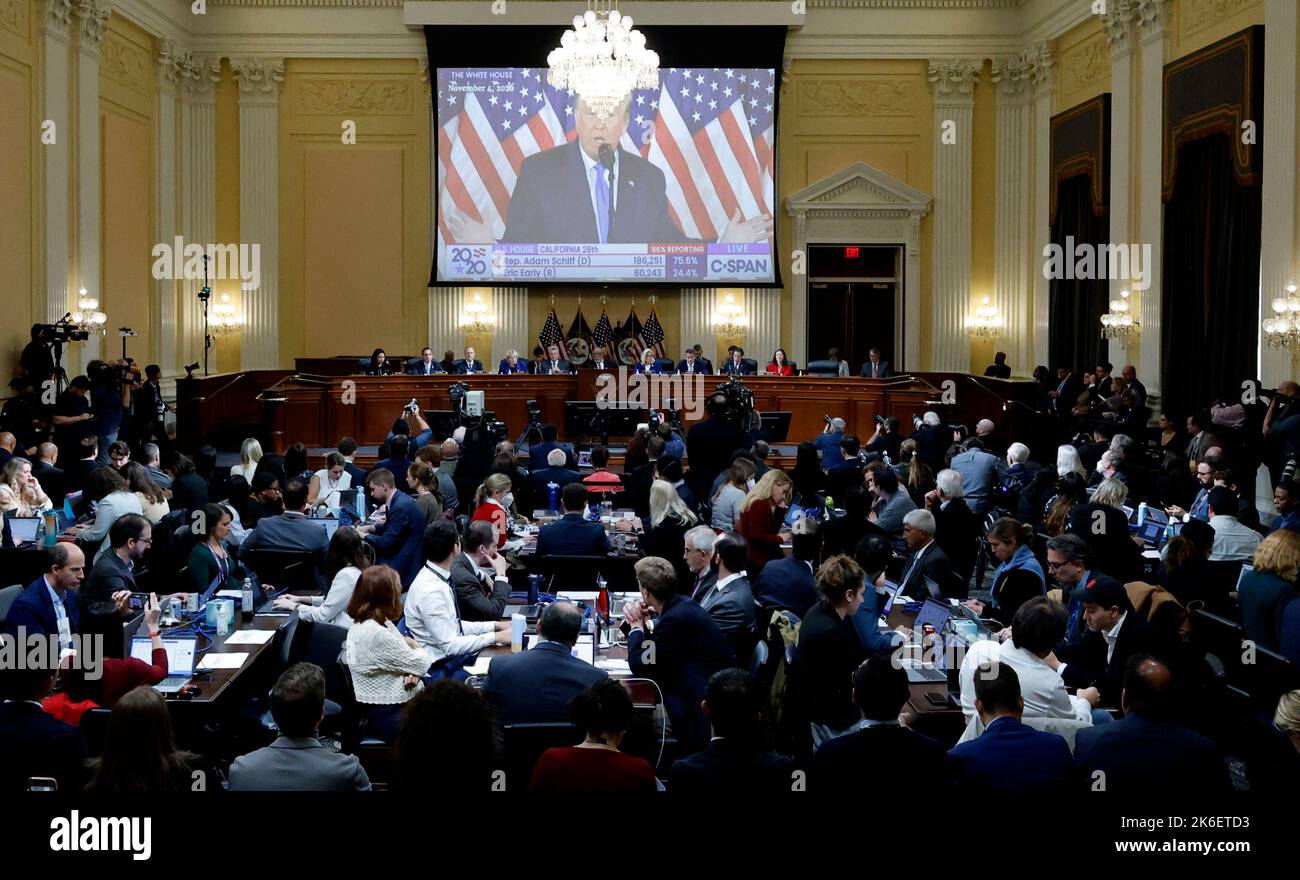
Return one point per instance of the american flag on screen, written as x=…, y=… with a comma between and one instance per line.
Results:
x=552, y=334
x=709, y=129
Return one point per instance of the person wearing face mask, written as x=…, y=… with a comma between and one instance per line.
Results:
x=492, y=503
x=397, y=539
x=829, y=649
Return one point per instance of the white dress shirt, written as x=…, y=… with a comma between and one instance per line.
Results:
x=333, y=606
x=1112, y=635
x=1041, y=686
x=434, y=620
x=60, y=616
x=721, y=586
x=1233, y=542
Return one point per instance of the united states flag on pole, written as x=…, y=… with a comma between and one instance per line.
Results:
x=631, y=343
x=552, y=334
x=652, y=334
x=603, y=335
x=709, y=129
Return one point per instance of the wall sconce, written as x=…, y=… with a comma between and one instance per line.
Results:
x=1118, y=323
x=729, y=319
x=226, y=321
x=986, y=323
x=475, y=319
x=87, y=315
x=1283, y=329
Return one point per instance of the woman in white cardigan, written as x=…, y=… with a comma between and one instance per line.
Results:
x=386, y=667
x=344, y=561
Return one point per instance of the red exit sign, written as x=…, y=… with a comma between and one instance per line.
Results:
x=850, y=253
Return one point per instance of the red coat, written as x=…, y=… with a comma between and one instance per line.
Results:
x=760, y=526
x=495, y=514
x=783, y=370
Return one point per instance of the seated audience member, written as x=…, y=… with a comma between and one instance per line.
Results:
x=956, y=527
x=670, y=520
x=914, y=473
x=1146, y=751
x=1018, y=577
x=554, y=472
x=51, y=477
x=153, y=501
x=669, y=470
x=735, y=488
x=212, y=565
x=1233, y=542
x=829, y=649
x=891, y=503
x=1286, y=498
x=36, y=744
x=538, y=685
x=423, y=480
x=189, y=489
x=789, y=583
x=1200, y=508
x=779, y=365
x=1036, y=629
x=291, y=530
x=432, y=616
x=1186, y=565
x=601, y=481
x=348, y=449
x=879, y=750
x=573, y=534
x=103, y=600
x=873, y=555
x=446, y=743
x=1116, y=632
x=119, y=453
x=492, y=503
x=1104, y=525
x=843, y=471
x=250, y=453
x=735, y=761
x=979, y=475
x=1071, y=495
x=386, y=667
x=807, y=475
x=20, y=492
x=297, y=761
x=431, y=454
x=48, y=605
x=397, y=539
x=538, y=454
x=1070, y=563
x=151, y=458
x=331, y=485
x=688, y=647
x=115, y=499
x=730, y=601
x=345, y=559
x=1264, y=591
x=399, y=458
x=602, y=713
x=637, y=480
x=698, y=555
x=927, y=571
x=140, y=754
x=265, y=499
x=762, y=520
x=1009, y=757
x=478, y=575
x=842, y=535
x=75, y=472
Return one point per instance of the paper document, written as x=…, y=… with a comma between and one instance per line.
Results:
x=250, y=637
x=614, y=666
x=230, y=594
x=222, y=661
x=480, y=666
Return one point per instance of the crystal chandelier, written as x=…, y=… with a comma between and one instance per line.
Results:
x=475, y=320
x=986, y=323
x=226, y=320
x=1118, y=323
x=1283, y=331
x=87, y=316
x=729, y=320
x=602, y=60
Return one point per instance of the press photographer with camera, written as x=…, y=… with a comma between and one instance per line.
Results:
x=886, y=439
x=1282, y=420
x=110, y=398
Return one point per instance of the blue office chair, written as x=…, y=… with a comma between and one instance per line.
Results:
x=825, y=369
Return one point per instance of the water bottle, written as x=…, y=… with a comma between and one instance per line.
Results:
x=1142, y=514
x=534, y=588
x=246, y=600
x=552, y=496
x=361, y=503
x=886, y=459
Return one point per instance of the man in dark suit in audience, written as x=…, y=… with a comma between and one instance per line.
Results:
x=709, y=444
x=572, y=535
x=789, y=584
x=734, y=763
x=875, y=368
x=1009, y=757
x=478, y=576
x=468, y=364
x=48, y=605
x=927, y=571
x=36, y=744
x=685, y=648
x=883, y=755
x=1115, y=633
x=399, y=457
x=956, y=528
x=554, y=365
x=102, y=601
x=291, y=530
x=426, y=366
x=399, y=539
x=554, y=472
x=698, y=555
x=1067, y=389
x=1146, y=751
x=75, y=472
x=50, y=477
x=1090, y=452
x=348, y=448
x=537, y=685
x=846, y=473
x=730, y=601
x=637, y=483
x=537, y=455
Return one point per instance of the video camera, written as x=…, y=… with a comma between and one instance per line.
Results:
x=740, y=400
x=63, y=331
x=105, y=374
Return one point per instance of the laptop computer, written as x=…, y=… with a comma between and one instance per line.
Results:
x=180, y=661
x=1152, y=533
x=22, y=529
x=584, y=459
x=893, y=590
x=933, y=613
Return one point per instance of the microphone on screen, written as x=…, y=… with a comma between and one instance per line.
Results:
x=606, y=156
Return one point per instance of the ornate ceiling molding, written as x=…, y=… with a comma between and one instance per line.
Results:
x=1017, y=74
x=195, y=73
x=260, y=75
x=955, y=77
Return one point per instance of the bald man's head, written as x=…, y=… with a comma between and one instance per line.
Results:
x=1289, y=388
x=1148, y=687
x=449, y=449
x=48, y=452
x=8, y=441
x=984, y=426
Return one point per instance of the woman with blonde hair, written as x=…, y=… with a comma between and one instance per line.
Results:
x=730, y=495
x=250, y=453
x=1264, y=591
x=670, y=520
x=762, y=520
x=1068, y=461
x=20, y=493
x=492, y=503
x=1287, y=717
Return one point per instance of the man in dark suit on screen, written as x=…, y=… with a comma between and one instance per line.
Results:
x=592, y=190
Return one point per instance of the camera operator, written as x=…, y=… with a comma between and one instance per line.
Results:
x=110, y=399
x=73, y=419
x=37, y=361
x=886, y=438
x=150, y=411
x=1282, y=421
x=932, y=440
x=709, y=444
x=23, y=416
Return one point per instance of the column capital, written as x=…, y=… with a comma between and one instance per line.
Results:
x=1117, y=21
x=954, y=77
x=258, y=76
x=58, y=16
x=94, y=17
x=1151, y=15
x=182, y=68
x=1019, y=74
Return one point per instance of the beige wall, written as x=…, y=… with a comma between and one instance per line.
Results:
x=1198, y=23
x=1083, y=65
x=354, y=219
x=20, y=208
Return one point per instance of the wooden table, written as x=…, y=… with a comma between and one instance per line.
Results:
x=943, y=723
x=212, y=685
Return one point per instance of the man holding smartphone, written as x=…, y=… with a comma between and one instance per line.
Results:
x=104, y=600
